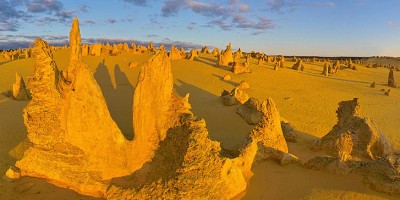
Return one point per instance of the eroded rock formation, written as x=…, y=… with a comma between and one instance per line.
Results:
x=266, y=140
x=368, y=142
x=226, y=56
x=234, y=97
x=391, y=81
x=77, y=145
x=298, y=65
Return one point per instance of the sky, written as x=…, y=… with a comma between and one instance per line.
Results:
x=278, y=27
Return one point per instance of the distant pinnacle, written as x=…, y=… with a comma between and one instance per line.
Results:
x=75, y=41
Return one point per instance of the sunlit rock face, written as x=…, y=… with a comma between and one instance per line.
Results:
x=76, y=144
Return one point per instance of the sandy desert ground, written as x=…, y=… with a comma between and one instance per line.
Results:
x=306, y=99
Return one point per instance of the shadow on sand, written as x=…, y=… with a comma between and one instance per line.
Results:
x=118, y=96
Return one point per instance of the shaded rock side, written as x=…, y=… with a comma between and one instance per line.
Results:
x=265, y=141
x=236, y=96
x=383, y=174
x=19, y=91
x=187, y=165
x=391, y=81
x=367, y=140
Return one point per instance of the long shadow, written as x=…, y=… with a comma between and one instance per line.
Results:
x=223, y=124
x=212, y=63
x=165, y=163
x=222, y=79
x=119, y=99
x=5, y=62
x=333, y=78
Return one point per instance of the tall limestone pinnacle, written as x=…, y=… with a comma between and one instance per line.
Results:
x=75, y=41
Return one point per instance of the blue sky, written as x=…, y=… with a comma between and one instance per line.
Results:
x=289, y=27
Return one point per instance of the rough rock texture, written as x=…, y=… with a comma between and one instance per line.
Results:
x=194, y=54
x=239, y=68
x=243, y=85
x=96, y=50
x=19, y=91
x=205, y=50
x=225, y=57
x=175, y=54
x=251, y=110
x=326, y=69
x=368, y=142
x=288, y=132
x=234, y=97
x=383, y=174
x=227, y=77
x=215, y=52
x=192, y=168
x=298, y=65
x=150, y=108
x=391, y=81
x=266, y=140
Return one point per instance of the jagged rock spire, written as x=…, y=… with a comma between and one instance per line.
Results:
x=75, y=41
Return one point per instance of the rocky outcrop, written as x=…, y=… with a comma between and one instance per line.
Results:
x=243, y=85
x=391, y=81
x=205, y=50
x=187, y=165
x=193, y=54
x=215, y=52
x=234, y=97
x=19, y=91
x=298, y=65
x=96, y=50
x=251, y=111
x=326, y=69
x=175, y=54
x=77, y=145
x=239, y=68
x=226, y=57
x=266, y=140
x=383, y=174
x=367, y=140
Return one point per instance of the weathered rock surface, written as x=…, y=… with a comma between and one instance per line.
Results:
x=239, y=68
x=251, y=110
x=175, y=54
x=226, y=57
x=234, y=97
x=77, y=145
x=243, y=85
x=368, y=142
x=383, y=174
x=391, y=81
x=298, y=65
x=265, y=141
x=193, y=54
x=19, y=91
x=195, y=170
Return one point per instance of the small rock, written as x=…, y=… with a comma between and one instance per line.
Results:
x=373, y=85
x=288, y=158
x=387, y=93
x=13, y=173
x=133, y=65
x=227, y=77
x=243, y=85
